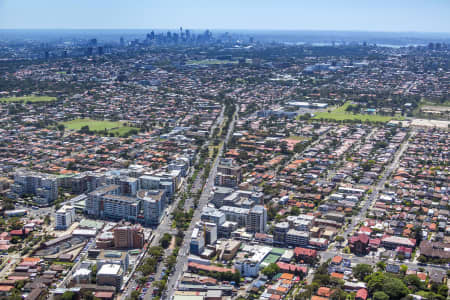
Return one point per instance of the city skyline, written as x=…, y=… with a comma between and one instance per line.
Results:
x=382, y=16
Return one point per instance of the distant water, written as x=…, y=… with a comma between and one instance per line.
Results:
x=324, y=44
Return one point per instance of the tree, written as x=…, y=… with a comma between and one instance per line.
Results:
x=305, y=295
x=171, y=261
x=272, y=212
x=362, y=270
x=380, y=296
x=236, y=277
x=71, y=166
x=339, y=239
x=443, y=290
x=87, y=295
x=94, y=273
x=403, y=269
x=271, y=270
x=149, y=266
x=15, y=240
x=134, y=295
x=338, y=294
x=15, y=295
x=8, y=205
x=422, y=259
x=85, y=129
x=20, y=284
x=381, y=265
x=142, y=280
x=284, y=147
x=295, y=211
x=165, y=240
x=395, y=288
x=156, y=251
x=179, y=238
x=160, y=285
x=243, y=155
x=418, y=234
x=412, y=280
x=299, y=147
x=15, y=223
x=322, y=279
x=69, y=296
x=375, y=282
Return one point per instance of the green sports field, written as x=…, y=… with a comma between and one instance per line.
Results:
x=29, y=99
x=297, y=138
x=118, y=128
x=340, y=114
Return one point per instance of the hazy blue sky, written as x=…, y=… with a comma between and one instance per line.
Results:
x=373, y=15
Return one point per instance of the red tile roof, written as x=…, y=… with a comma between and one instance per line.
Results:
x=104, y=294
x=305, y=252
x=337, y=259
x=361, y=294
x=363, y=238
x=337, y=275
x=209, y=268
x=291, y=268
x=17, y=232
x=324, y=291
x=6, y=288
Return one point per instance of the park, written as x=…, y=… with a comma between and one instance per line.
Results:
x=341, y=114
x=29, y=99
x=116, y=128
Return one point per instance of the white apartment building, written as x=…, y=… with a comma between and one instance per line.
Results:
x=257, y=219
x=297, y=238
x=65, y=216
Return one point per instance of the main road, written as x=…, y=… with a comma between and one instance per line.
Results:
x=372, y=197
x=165, y=225
x=183, y=254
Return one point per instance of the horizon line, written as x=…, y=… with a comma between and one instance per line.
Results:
x=237, y=29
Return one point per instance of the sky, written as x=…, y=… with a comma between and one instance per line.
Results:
x=359, y=15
